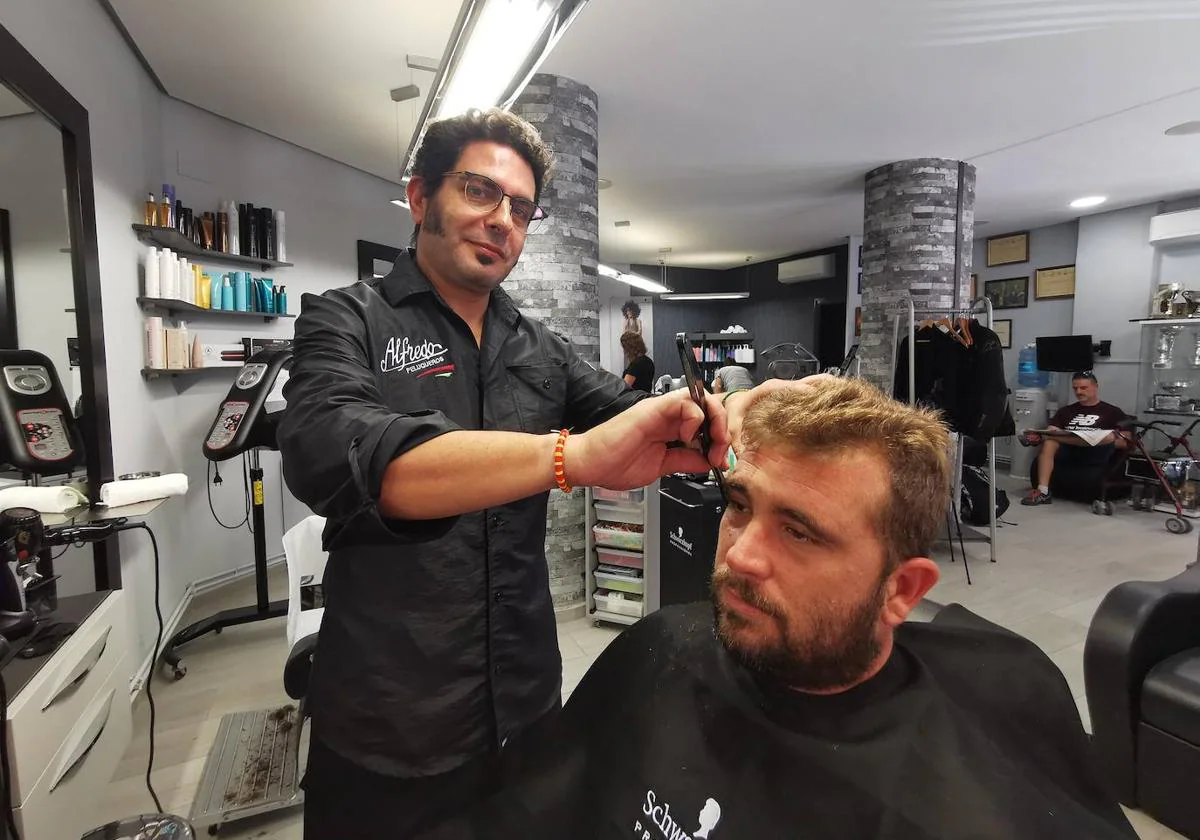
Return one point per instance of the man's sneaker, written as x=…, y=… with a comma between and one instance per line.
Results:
x=1037, y=497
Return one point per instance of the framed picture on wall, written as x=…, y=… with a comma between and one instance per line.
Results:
x=1008, y=249
x=1003, y=329
x=1057, y=281
x=857, y=321
x=1009, y=293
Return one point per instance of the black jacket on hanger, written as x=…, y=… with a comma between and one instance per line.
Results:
x=983, y=399
x=940, y=361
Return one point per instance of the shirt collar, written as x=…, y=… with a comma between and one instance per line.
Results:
x=405, y=279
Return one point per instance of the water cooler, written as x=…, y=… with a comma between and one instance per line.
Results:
x=1029, y=412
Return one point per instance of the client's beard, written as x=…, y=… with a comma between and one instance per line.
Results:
x=836, y=652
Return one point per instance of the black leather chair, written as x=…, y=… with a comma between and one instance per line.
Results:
x=1141, y=666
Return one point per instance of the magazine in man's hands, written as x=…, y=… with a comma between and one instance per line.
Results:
x=1092, y=437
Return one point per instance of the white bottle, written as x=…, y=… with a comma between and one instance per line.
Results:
x=235, y=242
x=153, y=288
x=185, y=272
x=280, y=246
x=165, y=257
x=155, y=349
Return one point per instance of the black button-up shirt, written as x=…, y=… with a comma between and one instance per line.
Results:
x=438, y=640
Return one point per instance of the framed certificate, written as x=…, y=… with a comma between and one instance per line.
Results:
x=1008, y=249
x=1054, y=282
x=1003, y=330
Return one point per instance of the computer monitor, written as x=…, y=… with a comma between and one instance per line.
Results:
x=1064, y=352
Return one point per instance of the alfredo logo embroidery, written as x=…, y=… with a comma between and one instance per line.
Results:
x=427, y=358
x=658, y=814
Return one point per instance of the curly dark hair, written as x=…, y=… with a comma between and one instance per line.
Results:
x=445, y=140
x=631, y=308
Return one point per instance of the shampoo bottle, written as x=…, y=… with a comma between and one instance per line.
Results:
x=152, y=276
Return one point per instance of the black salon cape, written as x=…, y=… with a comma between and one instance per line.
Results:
x=976, y=736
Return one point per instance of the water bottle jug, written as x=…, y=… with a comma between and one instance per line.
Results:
x=1028, y=375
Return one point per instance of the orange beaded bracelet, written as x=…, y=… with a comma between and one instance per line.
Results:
x=560, y=470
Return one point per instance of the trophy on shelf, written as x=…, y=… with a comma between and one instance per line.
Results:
x=1164, y=345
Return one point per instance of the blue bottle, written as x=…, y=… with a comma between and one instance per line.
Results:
x=241, y=288
x=1028, y=375
x=227, y=294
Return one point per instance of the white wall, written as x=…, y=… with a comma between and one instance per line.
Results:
x=1114, y=270
x=853, y=289
x=32, y=180
x=139, y=141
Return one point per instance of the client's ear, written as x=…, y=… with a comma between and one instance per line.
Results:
x=906, y=587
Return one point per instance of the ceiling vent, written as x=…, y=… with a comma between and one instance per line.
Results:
x=808, y=268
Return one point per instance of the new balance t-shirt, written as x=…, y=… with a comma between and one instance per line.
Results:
x=1076, y=416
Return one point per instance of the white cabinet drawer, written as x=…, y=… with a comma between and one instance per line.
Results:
x=64, y=802
x=55, y=699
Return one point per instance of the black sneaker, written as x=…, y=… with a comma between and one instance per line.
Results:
x=1037, y=497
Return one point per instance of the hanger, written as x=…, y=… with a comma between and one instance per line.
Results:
x=964, y=329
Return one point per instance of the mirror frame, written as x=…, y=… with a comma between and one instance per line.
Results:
x=26, y=77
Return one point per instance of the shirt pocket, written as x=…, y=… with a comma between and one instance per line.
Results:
x=539, y=394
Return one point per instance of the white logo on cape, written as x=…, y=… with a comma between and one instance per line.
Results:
x=658, y=814
x=402, y=354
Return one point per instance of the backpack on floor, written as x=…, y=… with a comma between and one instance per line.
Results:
x=973, y=506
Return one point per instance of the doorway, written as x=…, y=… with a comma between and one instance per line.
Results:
x=831, y=332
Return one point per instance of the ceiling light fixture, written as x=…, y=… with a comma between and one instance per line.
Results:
x=634, y=280
x=1183, y=129
x=1088, y=201
x=401, y=202
x=707, y=296
x=493, y=50
x=603, y=183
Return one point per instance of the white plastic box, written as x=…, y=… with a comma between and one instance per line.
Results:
x=614, y=512
x=625, y=605
x=619, y=557
x=613, y=538
x=619, y=583
x=631, y=496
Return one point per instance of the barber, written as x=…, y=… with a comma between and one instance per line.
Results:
x=423, y=421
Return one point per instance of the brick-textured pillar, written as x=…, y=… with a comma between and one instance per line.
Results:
x=911, y=224
x=555, y=281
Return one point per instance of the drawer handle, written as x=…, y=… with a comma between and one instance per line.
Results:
x=85, y=740
x=74, y=675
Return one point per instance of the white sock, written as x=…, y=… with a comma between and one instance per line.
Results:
x=1043, y=489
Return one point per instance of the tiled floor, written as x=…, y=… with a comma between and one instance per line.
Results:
x=1054, y=565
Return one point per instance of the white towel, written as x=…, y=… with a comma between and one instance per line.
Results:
x=42, y=499
x=136, y=490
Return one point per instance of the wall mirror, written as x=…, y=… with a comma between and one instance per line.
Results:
x=49, y=268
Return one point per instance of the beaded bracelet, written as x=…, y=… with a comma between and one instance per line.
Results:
x=560, y=470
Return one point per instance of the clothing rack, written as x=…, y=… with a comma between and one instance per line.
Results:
x=979, y=306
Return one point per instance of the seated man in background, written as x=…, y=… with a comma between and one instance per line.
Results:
x=799, y=703
x=731, y=379
x=1071, y=452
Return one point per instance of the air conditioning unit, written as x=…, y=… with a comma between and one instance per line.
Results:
x=1175, y=228
x=807, y=268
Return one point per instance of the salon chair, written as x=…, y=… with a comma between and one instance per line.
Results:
x=1141, y=668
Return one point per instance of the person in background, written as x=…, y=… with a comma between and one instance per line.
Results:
x=800, y=702
x=731, y=379
x=1088, y=413
x=633, y=317
x=422, y=421
x=639, y=368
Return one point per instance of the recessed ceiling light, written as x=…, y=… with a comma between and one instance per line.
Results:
x=603, y=183
x=1183, y=129
x=1088, y=201
x=401, y=202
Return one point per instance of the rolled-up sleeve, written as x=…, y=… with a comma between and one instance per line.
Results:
x=337, y=435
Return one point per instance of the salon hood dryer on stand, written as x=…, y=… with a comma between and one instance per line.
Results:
x=242, y=427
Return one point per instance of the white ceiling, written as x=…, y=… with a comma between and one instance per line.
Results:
x=743, y=129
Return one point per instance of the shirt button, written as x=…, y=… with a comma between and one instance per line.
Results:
x=546, y=384
x=496, y=669
x=498, y=596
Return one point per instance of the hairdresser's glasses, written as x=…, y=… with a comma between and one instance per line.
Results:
x=482, y=193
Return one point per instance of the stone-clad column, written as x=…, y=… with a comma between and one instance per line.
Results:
x=556, y=280
x=914, y=214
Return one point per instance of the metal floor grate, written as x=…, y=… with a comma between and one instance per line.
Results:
x=252, y=769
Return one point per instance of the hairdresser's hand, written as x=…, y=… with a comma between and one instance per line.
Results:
x=739, y=403
x=631, y=451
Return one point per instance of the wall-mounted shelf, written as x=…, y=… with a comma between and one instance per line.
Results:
x=1165, y=322
x=727, y=362
x=710, y=337
x=183, y=309
x=159, y=373
x=180, y=244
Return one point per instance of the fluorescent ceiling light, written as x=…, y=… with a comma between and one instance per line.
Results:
x=707, y=296
x=1183, y=129
x=494, y=49
x=632, y=279
x=1088, y=201
x=401, y=202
